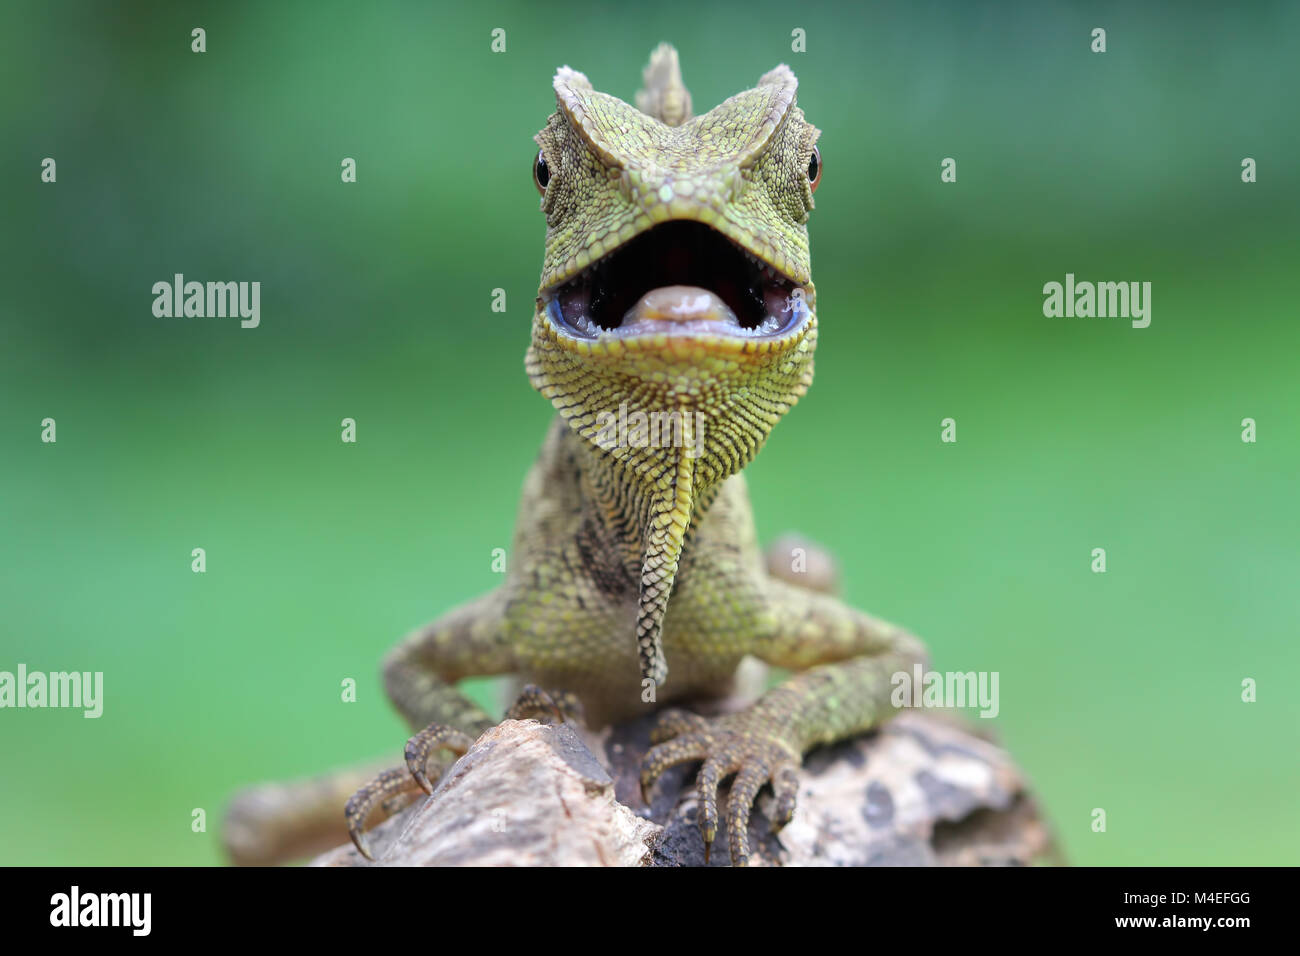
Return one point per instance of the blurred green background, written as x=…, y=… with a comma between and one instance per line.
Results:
x=1118, y=690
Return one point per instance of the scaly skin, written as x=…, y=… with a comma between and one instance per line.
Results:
x=636, y=579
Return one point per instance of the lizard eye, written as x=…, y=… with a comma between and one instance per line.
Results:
x=541, y=173
x=815, y=168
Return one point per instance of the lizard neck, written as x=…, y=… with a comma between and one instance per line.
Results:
x=646, y=501
x=626, y=498
x=656, y=430
x=648, y=504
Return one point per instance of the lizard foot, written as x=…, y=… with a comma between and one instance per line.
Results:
x=734, y=744
x=394, y=788
x=385, y=794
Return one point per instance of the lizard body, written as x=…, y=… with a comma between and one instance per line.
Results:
x=676, y=283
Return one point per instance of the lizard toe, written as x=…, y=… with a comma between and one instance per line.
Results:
x=385, y=794
x=666, y=755
x=536, y=703
x=715, y=768
x=785, y=786
x=675, y=722
x=740, y=802
x=431, y=738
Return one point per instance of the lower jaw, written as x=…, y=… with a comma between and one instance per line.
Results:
x=675, y=343
x=735, y=382
x=657, y=330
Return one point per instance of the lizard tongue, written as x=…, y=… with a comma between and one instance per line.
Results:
x=678, y=303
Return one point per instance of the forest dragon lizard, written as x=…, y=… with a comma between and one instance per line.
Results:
x=675, y=292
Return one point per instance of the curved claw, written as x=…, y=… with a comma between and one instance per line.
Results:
x=431, y=738
x=378, y=793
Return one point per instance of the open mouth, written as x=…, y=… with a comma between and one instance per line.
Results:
x=677, y=278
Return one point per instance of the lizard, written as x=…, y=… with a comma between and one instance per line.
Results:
x=675, y=324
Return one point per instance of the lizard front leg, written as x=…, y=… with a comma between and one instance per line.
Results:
x=420, y=675
x=844, y=661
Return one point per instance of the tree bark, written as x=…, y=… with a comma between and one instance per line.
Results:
x=922, y=791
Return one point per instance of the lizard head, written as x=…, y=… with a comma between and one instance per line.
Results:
x=664, y=226
x=676, y=284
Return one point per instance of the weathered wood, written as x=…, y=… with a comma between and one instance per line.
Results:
x=924, y=790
